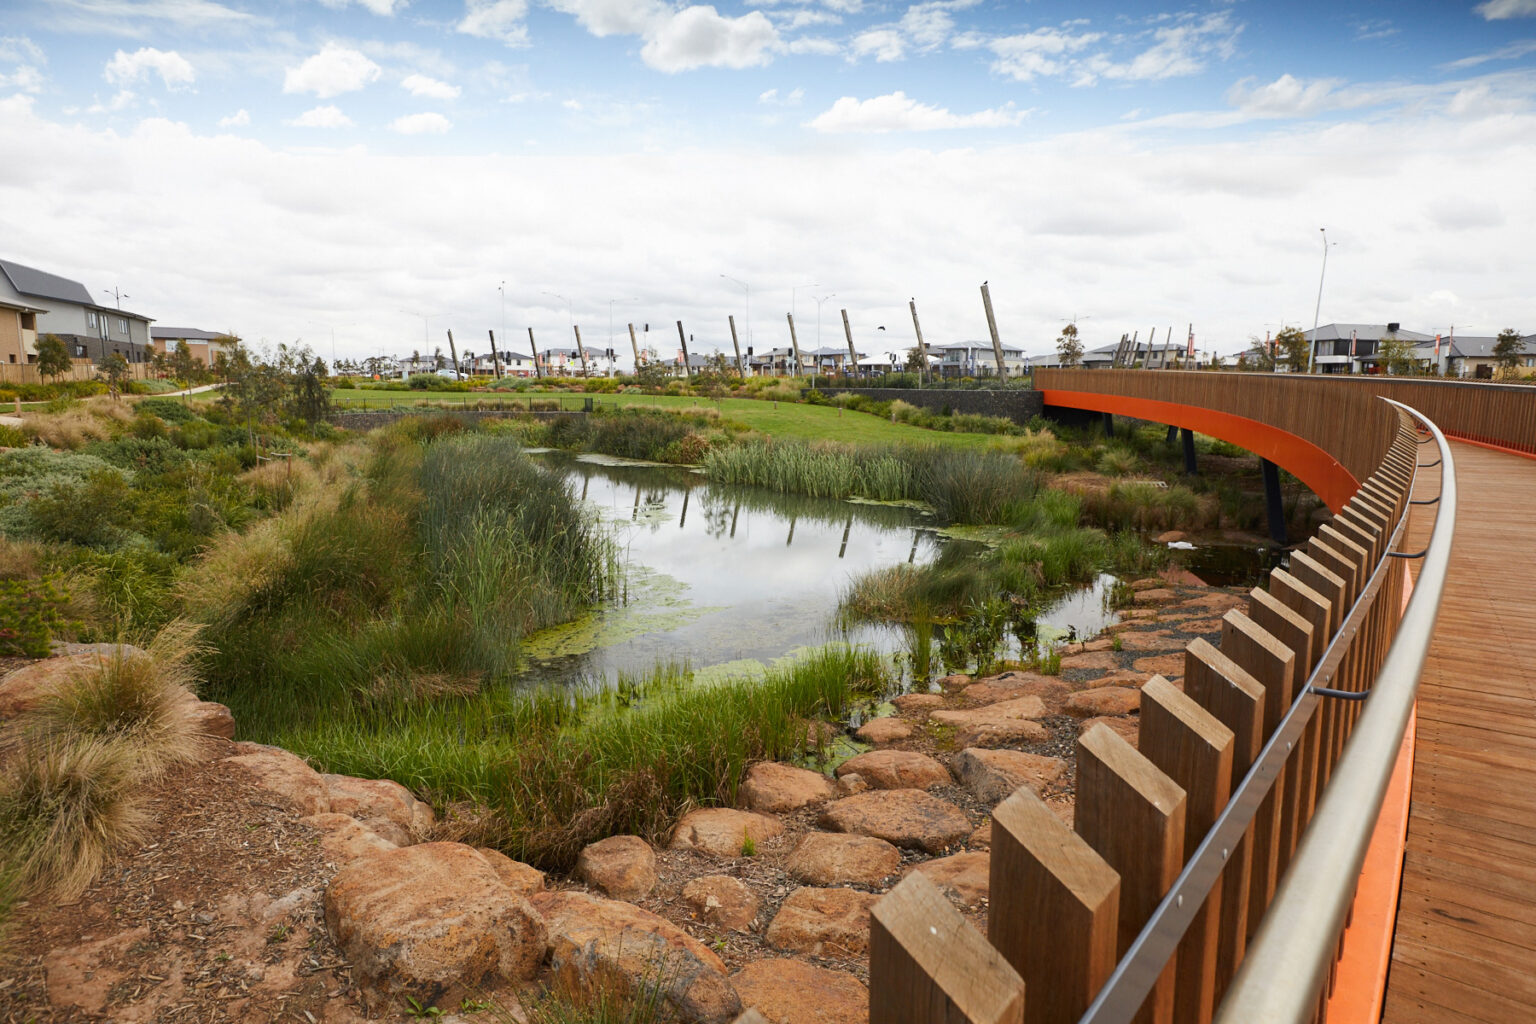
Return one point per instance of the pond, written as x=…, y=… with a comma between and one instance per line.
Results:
x=730, y=579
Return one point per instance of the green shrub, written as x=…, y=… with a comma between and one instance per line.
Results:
x=31, y=614
x=168, y=409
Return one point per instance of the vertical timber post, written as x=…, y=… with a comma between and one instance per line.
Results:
x=1274, y=502
x=495, y=356
x=580, y=349
x=922, y=350
x=997, y=346
x=453, y=353
x=682, y=339
x=794, y=342
x=535, y=350
x=635, y=346
x=1191, y=468
x=741, y=370
x=853, y=357
x=1109, y=424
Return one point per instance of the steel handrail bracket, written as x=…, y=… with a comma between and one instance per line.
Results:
x=1288, y=959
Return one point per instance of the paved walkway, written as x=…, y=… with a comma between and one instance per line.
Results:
x=1465, y=945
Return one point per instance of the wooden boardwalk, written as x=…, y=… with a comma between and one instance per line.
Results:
x=1465, y=944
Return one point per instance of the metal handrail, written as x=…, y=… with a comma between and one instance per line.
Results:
x=1290, y=957
x=1138, y=970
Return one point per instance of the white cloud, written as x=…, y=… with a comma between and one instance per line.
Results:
x=774, y=99
x=614, y=17
x=1043, y=52
x=239, y=119
x=700, y=36
x=1498, y=10
x=421, y=124
x=26, y=59
x=328, y=116
x=1512, y=51
x=431, y=88
x=383, y=8
x=898, y=112
x=496, y=19
x=816, y=45
x=135, y=18
x=1179, y=50
x=1286, y=96
x=884, y=44
x=127, y=68
x=334, y=70
x=124, y=99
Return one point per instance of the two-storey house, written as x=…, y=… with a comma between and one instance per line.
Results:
x=65, y=308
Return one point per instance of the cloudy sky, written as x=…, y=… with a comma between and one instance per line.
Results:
x=380, y=169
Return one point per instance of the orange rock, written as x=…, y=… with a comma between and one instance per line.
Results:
x=991, y=775
x=884, y=730
x=1128, y=728
x=624, y=867
x=896, y=769
x=1168, y=665
x=918, y=701
x=343, y=839
x=722, y=901
x=823, y=922
x=779, y=788
x=905, y=817
x=824, y=858
x=284, y=776
x=523, y=879
x=788, y=991
x=1104, y=700
x=720, y=831
x=964, y=874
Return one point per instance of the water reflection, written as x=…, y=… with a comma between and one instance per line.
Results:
x=723, y=574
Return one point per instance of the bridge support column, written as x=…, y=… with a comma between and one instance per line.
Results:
x=1189, y=452
x=1109, y=424
x=1273, y=501
x=1173, y=433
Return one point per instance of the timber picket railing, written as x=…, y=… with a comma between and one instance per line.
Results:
x=1209, y=869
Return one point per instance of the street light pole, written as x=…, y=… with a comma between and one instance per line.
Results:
x=824, y=298
x=1318, y=309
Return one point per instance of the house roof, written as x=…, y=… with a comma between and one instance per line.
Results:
x=21, y=309
x=184, y=334
x=1365, y=332
x=31, y=281
x=1473, y=348
x=973, y=346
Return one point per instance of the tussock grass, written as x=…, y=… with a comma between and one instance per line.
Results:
x=1141, y=505
x=138, y=700
x=77, y=423
x=66, y=802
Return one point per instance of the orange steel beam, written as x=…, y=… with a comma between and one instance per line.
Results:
x=1312, y=465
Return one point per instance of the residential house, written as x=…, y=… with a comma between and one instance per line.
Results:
x=977, y=359
x=1355, y=348
x=829, y=359
x=65, y=308
x=18, y=333
x=205, y=346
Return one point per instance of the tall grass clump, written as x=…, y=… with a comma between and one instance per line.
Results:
x=1142, y=505
x=818, y=471
x=66, y=801
x=974, y=487
x=137, y=699
x=410, y=573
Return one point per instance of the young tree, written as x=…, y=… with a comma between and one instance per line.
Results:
x=52, y=357
x=1069, y=348
x=1395, y=355
x=1259, y=356
x=113, y=369
x=1291, y=347
x=183, y=367
x=1507, y=350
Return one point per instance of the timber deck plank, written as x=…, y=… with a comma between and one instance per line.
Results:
x=1465, y=949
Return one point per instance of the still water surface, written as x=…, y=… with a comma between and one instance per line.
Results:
x=733, y=578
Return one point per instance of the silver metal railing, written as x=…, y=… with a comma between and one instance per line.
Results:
x=1288, y=961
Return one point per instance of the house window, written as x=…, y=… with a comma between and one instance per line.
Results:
x=90, y=318
x=122, y=324
x=79, y=351
x=29, y=321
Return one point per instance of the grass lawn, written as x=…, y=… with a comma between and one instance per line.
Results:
x=788, y=420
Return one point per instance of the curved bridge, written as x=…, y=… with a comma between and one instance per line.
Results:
x=1246, y=861
x=1464, y=943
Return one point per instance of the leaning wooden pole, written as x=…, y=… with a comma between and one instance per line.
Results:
x=453, y=353
x=682, y=339
x=634, y=345
x=794, y=343
x=495, y=356
x=853, y=357
x=997, y=346
x=922, y=350
x=740, y=369
x=580, y=349
x=535, y=350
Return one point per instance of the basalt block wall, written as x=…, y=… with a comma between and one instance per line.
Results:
x=1019, y=406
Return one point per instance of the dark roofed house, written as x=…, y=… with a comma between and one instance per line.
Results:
x=65, y=308
x=1353, y=348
